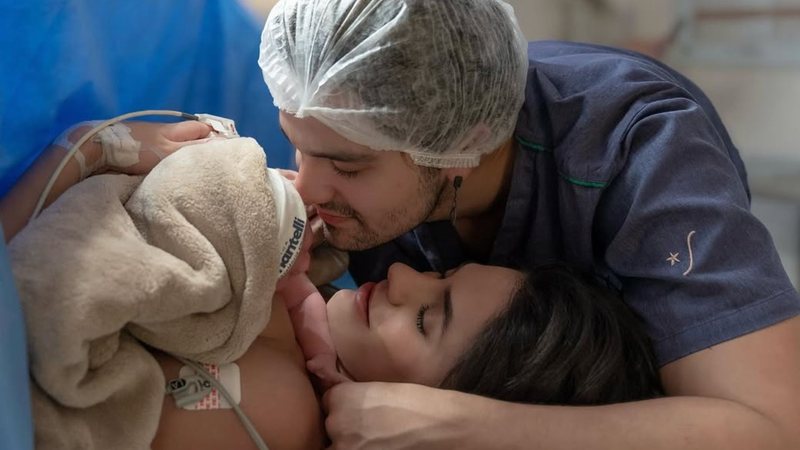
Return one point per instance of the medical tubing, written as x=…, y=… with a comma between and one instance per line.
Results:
x=251, y=429
x=75, y=148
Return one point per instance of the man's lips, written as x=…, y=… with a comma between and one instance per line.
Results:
x=330, y=218
x=363, y=296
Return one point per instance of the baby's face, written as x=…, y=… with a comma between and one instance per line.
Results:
x=413, y=327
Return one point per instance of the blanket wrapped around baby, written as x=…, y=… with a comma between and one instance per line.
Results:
x=184, y=260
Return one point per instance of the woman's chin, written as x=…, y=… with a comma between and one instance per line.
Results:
x=341, y=294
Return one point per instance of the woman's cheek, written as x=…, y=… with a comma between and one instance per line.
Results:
x=405, y=354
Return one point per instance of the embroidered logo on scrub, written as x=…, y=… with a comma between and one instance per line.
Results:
x=673, y=257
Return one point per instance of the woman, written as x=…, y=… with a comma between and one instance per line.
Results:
x=549, y=336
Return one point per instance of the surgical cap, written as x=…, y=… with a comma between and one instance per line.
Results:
x=442, y=80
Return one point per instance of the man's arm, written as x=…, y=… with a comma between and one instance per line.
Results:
x=741, y=394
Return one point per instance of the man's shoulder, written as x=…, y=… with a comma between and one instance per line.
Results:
x=582, y=99
x=564, y=51
x=560, y=70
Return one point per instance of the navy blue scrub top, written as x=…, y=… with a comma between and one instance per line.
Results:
x=624, y=168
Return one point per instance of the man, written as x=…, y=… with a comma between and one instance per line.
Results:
x=428, y=132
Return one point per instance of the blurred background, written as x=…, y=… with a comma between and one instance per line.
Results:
x=745, y=54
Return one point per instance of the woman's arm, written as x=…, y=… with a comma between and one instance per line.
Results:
x=17, y=205
x=741, y=394
x=155, y=140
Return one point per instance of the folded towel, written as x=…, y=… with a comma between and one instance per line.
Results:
x=184, y=260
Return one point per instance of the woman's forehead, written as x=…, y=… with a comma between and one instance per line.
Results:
x=474, y=272
x=480, y=292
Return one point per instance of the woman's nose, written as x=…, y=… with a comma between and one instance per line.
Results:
x=311, y=181
x=406, y=285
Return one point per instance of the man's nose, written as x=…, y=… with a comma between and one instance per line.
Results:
x=407, y=286
x=312, y=181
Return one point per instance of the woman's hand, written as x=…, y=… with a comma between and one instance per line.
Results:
x=132, y=147
x=155, y=141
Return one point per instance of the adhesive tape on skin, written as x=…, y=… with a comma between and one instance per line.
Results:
x=64, y=141
x=228, y=375
x=120, y=149
x=291, y=217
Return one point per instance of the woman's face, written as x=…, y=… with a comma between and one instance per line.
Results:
x=413, y=327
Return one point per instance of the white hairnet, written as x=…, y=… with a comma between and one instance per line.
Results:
x=442, y=80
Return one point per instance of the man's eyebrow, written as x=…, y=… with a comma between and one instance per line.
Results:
x=341, y=157
x=447, y=317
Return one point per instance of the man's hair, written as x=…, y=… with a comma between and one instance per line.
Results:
x=442, y=80
x=564, y=339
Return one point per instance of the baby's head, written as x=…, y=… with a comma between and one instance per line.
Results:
x=550, y=336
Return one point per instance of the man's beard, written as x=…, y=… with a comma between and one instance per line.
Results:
x=393, y=224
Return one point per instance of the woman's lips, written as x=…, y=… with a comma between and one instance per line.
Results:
x=363, y=295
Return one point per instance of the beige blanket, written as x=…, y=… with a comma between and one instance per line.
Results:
x=184, y=260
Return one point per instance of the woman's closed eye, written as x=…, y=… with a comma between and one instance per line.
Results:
x=447, y=305
x=421, y=319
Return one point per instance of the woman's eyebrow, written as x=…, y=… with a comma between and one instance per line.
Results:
x=447, y=317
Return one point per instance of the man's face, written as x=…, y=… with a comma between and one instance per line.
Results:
x=364, y=197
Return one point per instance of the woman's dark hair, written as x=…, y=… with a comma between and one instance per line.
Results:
x=564, y=338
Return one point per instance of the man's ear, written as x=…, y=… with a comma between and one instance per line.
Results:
x=452, y=172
